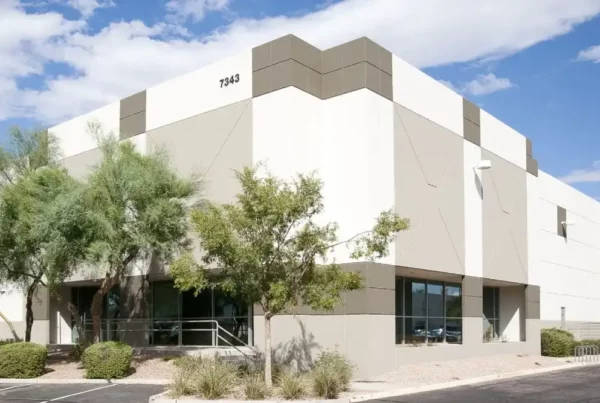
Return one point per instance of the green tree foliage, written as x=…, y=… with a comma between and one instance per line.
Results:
x=42, y=222
x=271, y=250
x=137, y=206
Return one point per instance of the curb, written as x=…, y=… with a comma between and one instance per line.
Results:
x=47, y=381
x=160, y=398
x=464, y=382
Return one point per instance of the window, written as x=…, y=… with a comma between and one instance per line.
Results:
x=173, y=309
x=491, y=313
x=428, y=311
x=82, y=297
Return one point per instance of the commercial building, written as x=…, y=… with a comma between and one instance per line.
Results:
x=497, y=249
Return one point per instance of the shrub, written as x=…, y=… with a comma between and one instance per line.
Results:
x=254, y=388
x=6, y=341
x=107, y=360
x=339, y=364
x=22, y=360
x=184, y=381
x=215, y=378
x=326, y=383
x=557, y=343
x=77, y=351
x=292, y=386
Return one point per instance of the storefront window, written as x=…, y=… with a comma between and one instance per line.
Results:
x=428, y=312
x=491, y=313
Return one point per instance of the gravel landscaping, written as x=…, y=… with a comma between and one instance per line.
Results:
x=60, y=366
x=446, y=371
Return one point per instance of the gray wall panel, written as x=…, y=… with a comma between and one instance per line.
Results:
x=504, y=221
x=429, y=189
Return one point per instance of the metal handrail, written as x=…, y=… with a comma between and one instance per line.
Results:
x=216, y=328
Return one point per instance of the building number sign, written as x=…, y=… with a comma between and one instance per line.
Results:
x=230, y=80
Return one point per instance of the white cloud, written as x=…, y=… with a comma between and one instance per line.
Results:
x=194, y=9
x=591, y=54
x=486, y=84
x=87, y=7
x=591, y=174
x=128, y=56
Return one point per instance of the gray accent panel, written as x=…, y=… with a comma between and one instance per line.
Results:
x=79, y=166
x=40, y=304
x=561, y=216
x=471, y=122
x=429, y=189
x=529, y=147
x=532, y=293
x=375, y=275
x=532, y=166
x=472, y=286
x=133, y=104
x=210, y=146
x=505, y=253
x=472, y=307
x=471, y=112
x=289, y=61
x=533, y=310
x=132, y=125
x=374, y=301
x=472, y=132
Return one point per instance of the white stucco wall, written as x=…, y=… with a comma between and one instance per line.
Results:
x=347, y=141
x=567, y=270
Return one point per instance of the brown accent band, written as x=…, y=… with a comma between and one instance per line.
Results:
x=532, y=166
x=532, y=310
x=532, y=293
x=291, y=62
x=471, y=122
x=132, y=115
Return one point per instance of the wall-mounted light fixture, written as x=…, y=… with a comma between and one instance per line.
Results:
x=568, y=222
x=484, y=164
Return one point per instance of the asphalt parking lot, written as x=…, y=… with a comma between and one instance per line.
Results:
x=88, y=393
x=570, y=386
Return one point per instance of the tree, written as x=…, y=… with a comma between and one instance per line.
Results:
x=271, y=251
x=42, y=232
x=137, y=206
x=40, y=221
x=11, y=327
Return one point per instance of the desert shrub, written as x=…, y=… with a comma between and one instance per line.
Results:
x=326, y=383
x=254, y=387
x=215, y=378
x=76, y=352
x=557, y=343
x=339, y=364
x=22, y=360
x=292, y=386
x=107, y=360
x=184, y=380
x=6, y=341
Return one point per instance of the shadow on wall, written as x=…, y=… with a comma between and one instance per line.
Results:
x=297, y=352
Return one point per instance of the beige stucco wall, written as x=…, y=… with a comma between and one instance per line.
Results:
x=429, y=189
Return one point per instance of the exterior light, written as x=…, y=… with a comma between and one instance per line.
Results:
x=568, y=222
x=484, y=164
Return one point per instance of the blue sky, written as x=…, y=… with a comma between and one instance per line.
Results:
x=534, y=65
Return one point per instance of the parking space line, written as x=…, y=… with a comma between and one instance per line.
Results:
x=80, y=393
x=14, y=387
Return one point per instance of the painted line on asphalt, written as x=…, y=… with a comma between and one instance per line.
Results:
x=14, y=387
x=80, y=393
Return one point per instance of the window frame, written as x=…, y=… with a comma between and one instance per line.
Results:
x=445, y=318
x=495, y=320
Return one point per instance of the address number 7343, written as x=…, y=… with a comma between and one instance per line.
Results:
x=230, y=80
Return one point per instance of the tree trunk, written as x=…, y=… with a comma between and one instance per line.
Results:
x=78, y=324
x=29, y=310
x=10, y=326
x=268, y=351
x=97, y=307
